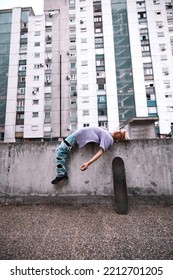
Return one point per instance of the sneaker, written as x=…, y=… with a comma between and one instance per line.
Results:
x=59, y=179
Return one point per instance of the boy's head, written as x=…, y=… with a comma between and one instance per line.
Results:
x=120, y=135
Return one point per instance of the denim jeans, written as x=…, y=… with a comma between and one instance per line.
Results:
x=61, y=154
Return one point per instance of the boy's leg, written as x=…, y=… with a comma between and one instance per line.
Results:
x=61, y=156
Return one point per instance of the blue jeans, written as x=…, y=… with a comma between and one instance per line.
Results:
x=61, y=154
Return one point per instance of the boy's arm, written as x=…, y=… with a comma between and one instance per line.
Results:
x=93, y=159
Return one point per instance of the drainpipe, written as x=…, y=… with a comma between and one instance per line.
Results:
x=60, y=98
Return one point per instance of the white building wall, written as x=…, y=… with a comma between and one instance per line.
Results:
x=111, y=87
x=10, y=120
x=137, y=61
x=156, y=13
x=34, y=126
x=86, y=75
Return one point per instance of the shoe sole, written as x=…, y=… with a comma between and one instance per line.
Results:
x=60, y=181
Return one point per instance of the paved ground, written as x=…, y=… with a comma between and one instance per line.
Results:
x=86, y=232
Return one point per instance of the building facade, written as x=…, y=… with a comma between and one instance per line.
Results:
x=85, y=63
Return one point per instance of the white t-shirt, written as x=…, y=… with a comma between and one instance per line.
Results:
x=94, y=134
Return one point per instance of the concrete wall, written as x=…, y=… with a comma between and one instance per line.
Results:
x=26, y=170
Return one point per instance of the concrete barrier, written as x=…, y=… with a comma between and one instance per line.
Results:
x=26, y=171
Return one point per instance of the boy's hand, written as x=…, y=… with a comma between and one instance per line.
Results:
x=84, y=166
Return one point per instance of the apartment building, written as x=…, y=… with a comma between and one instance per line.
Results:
x=84, y=63
x=34, y=91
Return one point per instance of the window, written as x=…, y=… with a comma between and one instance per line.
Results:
x=162, y=47
x=144, y=37
x=20, y=119
x=35, y=102
x=160, y=34
x=48, y=66
x=85, y=87
x=72, y=54
x=34, y=127
x=100, y=62
x=152, y=110
x=37, y=33
x=84, y=51
x=156, y=2
x=86, y=125
x=140, y=4
x=102, y=105
x=71, y=2
x=98, y=19
x=167, y=84
x=101, y=83
x=163, y=57
x=159, y=24
x=169, y=108
x=99, y=42
x=73, y=77
x=21, y=91
x=168, y=95
x=23, y=56
x=34, y=114
x=145, y=48
x=47, y=115
x=36, y=78
x=37, y=44
x=20, y=105
x=85, y=99
x=82, y=9
x=98, y=30
x=84, y=63
x=36, y=55
x=72, y=40
x=37, y=66
x=84, y=40
x=97, y=7
x=85, y=112
x=83, y=29
x=35, y=90
x=142, y=15
x=103, y=124
x=72, y=66
x=158, y=13
x=22, y=79
x=72, y=29
x=72, y=20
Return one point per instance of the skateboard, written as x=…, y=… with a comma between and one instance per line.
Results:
x=120, y=189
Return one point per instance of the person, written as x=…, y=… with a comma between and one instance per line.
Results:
x=98, y=135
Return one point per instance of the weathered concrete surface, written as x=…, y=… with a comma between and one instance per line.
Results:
x=78, y=232
x=26, y=170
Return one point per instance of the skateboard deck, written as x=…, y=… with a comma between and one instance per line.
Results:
x=120, y=189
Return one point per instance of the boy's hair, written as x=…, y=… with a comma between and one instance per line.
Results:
x=120, y=135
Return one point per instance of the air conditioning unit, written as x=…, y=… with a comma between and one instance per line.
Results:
x=41, y=65
x=166, y=73
x=34, y=92
x=168, y=86
x=67, y=78
x=160, y=25
x=163, y=49
x=68, y=53
x=81, y=21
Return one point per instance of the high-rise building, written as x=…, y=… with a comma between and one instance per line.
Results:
x=84, y=63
